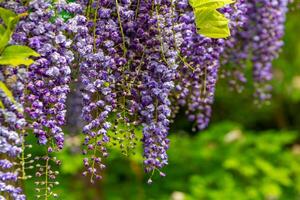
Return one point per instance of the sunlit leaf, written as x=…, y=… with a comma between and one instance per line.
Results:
x=210, y=4
x=7, y=92
x=2, y=29
x=211, y=23
x=17, y=55
x=7, y=16
x=4, y=39
x=1, y=104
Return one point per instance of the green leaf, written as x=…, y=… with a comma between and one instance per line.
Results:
x=211, y=23
x=1, y=104
x=66, y=15
x=10, y=19
x=7, y=92
x=4, y=39
x=210, y=4
x=17, y=55
x=2, y=29
x=7, y=16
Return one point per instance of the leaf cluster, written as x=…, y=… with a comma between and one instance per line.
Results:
x=209, y=21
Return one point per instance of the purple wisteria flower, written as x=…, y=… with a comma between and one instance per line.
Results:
x=11, y=123
x=200, y=64
x=259, y=39
x=49, y=76
x=131, y=65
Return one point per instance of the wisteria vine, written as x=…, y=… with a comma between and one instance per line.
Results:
x=124, y=65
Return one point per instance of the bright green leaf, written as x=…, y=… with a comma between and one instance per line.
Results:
x=7, y=16
x=17, y=55
x=210, y=4
x=4, y=39
x=271, y=190
x=1, y=104
x=211, y=23
x=12, y=24
x=2, y=29
x=7, y=92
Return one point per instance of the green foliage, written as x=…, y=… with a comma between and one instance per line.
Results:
x=16, y=55
x=230, y=163
x=223, y=162
x=209, y=21
x=210, y=4
x=10, y=19
x=7, y=92
x=226, y=162
x=13, y=55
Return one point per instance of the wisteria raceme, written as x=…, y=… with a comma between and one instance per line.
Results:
x=47, y=80
x=236, y=52
x=123, y=126
x=49, y=76
x=11, y=124
x=199, y=72
x=260, y=40
x=158, y=73
x=269, y=17
x=99, y=60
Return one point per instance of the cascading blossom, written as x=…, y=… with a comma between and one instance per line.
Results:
x=259, y=39
x=200, y=63
x=237, y=46
x=49, y=76
x=100, y=60
x=266, y=42
x=132, y=64
x=157, y=80
x=11, y=124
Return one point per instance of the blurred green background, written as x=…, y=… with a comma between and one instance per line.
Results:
x=247, y=153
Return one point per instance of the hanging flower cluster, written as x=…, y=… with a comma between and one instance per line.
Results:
x=259, y=39
x=128, y=64
x=12, y=125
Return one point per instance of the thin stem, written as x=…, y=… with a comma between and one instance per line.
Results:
x=121, y=29
x=88, y=9
x=46, y=177
x=94, y=158
x=137, y=8
x=23, y=177
x=94, y=28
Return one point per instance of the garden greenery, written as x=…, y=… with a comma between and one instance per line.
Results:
x=134, y=63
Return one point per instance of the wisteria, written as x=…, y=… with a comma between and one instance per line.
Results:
x=50, y=74
x=12, y=123
x=200, y=67
x=258, y=38
x=267, y=42
x=110, y=68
